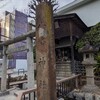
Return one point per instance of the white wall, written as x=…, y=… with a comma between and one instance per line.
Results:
x=21, y=64
x=89, y=13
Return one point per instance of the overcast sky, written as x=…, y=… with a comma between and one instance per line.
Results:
x=21, y=5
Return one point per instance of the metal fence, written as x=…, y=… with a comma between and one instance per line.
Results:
x=63, y=87
x=79, y=68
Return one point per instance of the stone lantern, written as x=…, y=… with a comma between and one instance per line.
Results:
x=88, y=61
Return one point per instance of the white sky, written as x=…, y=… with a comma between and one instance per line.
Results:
x=20, y=5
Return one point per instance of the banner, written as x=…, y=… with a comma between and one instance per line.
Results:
x=21, y=27
x=21, y=23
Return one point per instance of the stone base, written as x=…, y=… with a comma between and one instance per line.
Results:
x=78, y=95
x=4, y=93
x=90, y=88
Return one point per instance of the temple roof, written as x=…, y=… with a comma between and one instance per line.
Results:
x=74, y=17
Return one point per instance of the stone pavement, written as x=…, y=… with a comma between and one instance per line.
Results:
x=8, y=97
x=11, y=95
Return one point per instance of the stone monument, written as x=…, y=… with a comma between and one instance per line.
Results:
x=88, y=61
x=45, y=52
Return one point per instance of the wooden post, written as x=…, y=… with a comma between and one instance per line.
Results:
x=45, y=53
x=76, y=82
x=72, y=49
x=8, y=81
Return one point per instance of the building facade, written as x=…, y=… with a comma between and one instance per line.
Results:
x=71, y=22
x=87, y=10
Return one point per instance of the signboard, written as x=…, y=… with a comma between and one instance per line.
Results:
x=21, y=23
x=12, y=63
x=21, y=27
x=18, y=49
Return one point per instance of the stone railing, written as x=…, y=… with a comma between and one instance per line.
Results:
x=64, y=86
x=26, y=94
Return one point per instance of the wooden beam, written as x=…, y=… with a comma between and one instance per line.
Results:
x=19, y=38
x=72, y=48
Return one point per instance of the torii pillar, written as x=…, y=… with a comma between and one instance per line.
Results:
x=45, y=53
x=4, y=70
x=30, y=63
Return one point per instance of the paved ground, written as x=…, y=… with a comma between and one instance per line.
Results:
x=8, y=97
x=11, y=96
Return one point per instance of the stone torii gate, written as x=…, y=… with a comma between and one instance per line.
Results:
x=30, y=61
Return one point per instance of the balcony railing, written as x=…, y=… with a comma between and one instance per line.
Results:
x=64, y=86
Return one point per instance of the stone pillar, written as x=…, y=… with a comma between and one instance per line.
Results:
x=30, y=63
x=90, y=85
x=4, y=70
x=89, y=62
x=89, y=75
x=45, y=53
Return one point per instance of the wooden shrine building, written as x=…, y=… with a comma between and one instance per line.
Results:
x=68, y=29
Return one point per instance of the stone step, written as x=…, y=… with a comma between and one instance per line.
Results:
x=63, y=75
x=63, y=66
x=63, y=70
